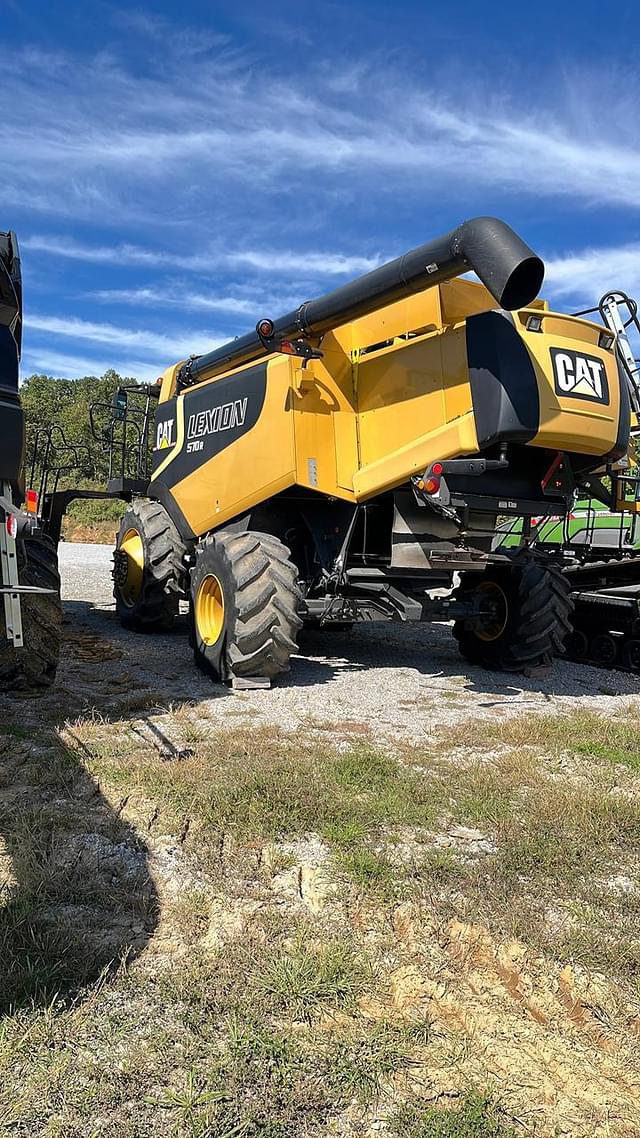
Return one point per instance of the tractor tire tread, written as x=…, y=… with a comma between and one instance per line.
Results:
x=539, y=626
x=265, y=623
x=34, y=666
x=164, y=579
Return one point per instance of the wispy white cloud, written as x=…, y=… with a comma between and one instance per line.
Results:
x=175, y=296
x=117, y=254
x=284, y=261
x=264, y=260
x=588, y=274
x=177, y=40
x=176, y=299
x=97, y=140
x=62, y=365
x=157, y=345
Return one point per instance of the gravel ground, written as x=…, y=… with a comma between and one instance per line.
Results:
x=390, y=680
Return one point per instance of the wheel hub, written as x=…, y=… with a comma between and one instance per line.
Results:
x=493, y=620
x=128, y=567
x=209, y=609
x=120, y=566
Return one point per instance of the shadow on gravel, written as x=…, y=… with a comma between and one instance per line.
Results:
x=431, y=650
x=77, y=898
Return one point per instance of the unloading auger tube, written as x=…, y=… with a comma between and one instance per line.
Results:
x=508, y=268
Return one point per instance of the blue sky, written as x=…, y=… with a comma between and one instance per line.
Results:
x=176, y=171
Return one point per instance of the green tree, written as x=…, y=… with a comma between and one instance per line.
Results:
x=59, y=410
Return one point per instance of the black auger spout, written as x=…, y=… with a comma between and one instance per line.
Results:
x=507, y=267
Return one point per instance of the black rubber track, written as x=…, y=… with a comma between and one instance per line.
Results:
x=164, y=576
x=539, y=617
x=262, y=602
x=586, y=632
x=34, y=665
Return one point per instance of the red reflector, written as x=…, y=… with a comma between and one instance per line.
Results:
x=437, y=468
x=31, y=501
x=557, y=462
x=12, y=525
x=287, y=347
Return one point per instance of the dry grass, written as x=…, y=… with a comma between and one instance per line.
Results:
x=236, y=933
x=97, y=533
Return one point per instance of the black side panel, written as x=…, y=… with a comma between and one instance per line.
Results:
x=9, y=361
x=215, y=417
x=11, y=435
x=11, y=417
x=504, y=389
x=624, y=422
x=10, y=289
x=163, y=495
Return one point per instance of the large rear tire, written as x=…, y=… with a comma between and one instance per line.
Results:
x=148, y=570
x=529, y=610
x=245, y=601
x=35, y=664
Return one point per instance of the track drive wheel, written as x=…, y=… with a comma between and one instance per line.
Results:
x=148, y=571
x=245, y=601
x=577, y=644
x=604, y=648
x=34, y=665
x=527, y=609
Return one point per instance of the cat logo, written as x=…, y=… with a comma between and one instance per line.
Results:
x=164, y=434
x=580, y=376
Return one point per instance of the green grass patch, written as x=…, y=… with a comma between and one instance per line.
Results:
x=359, y=1067
x=13, y=731
x=478, y=1115
x=370, y=870
x=270, y=1030
x=553, y=835
x=307, y=978
x=261, y=787
x=604, y=738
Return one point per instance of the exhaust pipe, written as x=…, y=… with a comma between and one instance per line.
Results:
x=507, y=267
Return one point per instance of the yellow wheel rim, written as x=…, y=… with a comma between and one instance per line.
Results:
x=130, y=587
x=493, y=625
x=209, y=609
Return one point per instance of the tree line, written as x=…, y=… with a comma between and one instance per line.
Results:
x=65, y=406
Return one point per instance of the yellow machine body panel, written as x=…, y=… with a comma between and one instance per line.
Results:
x=262, y=457
x=324, y=421
x=409, y=384
x=574, y=420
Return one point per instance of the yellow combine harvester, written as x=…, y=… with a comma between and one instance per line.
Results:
x=341, y=463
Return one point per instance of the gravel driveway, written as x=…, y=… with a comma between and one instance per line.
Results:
x=390, y=680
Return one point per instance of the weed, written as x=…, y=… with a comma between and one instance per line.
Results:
x=478, y=1115
x=359, y=1065
x=308, y=978
x=371, y=871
